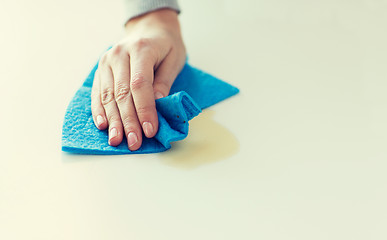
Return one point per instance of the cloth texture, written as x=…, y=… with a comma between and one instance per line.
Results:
x=135, y=8
x=192, y=91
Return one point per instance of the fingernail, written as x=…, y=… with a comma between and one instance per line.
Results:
x=132, y=139
x=113, y=133
x=148, y=128
x=158, y=95
x=99, y=120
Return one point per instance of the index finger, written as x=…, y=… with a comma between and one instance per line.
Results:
x=141, y=84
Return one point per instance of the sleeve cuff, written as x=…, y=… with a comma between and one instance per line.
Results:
x=135, y=8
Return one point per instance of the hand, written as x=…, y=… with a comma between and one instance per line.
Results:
x=135, y=72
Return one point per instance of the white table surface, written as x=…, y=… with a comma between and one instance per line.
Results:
x=299, y=154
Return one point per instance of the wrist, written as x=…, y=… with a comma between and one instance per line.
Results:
x=165, y=17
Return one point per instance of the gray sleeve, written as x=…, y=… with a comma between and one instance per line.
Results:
x=136, y=8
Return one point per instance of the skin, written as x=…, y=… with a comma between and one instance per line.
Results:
x=135, y=72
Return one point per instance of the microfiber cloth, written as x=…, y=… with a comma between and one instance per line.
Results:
x=192, y=91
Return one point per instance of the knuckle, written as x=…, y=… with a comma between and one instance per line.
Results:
x=122, y=92
x=129, y=123
x=142, y=43
x=114, y=120
x=145, y=109
x=107, y=96
x=116, y=50
x=137, y=81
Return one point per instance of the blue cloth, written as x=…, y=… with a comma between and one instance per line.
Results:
x=192, y=91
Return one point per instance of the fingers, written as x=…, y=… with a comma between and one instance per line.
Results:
x=97, y=109
x=125, y=104
x=110, y=106
x=141, y=72
x=166, y=75
x=124, y=91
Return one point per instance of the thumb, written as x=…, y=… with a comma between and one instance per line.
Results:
x=165, y=75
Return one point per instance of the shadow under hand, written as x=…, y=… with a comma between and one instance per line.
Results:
x=207, y=142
